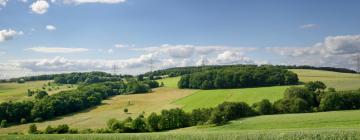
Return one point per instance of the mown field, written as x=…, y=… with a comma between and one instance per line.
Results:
x=17, y=91
x=96, y=117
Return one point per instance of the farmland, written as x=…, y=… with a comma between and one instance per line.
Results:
x=304, y=125
x=18, y=91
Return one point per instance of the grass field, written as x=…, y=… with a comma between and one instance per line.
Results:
x=16, y=91
x=325, y=120
x=96, y=117
x=170, y=82
x=333, y=134
x=340, y=81
x=211, y=98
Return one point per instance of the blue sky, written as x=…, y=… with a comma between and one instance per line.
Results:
x=174, y=33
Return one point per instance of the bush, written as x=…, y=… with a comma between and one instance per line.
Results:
x=126, y=110
x=50, y=130
x=62, y=129
x=200, y=116
x=263, y=107
x=23, y=121
x=331, y=101
x=153, y=122
x=173, y=118
x=115, y=125
x=218, y=117
x=73, y=131
x=138, y=124
x=32, y=129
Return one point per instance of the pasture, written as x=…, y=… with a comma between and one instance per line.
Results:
x=96, y=117
x=18, y=91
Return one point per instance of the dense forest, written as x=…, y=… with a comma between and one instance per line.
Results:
x=178, y=71
x=233, y=77
x=45, y=107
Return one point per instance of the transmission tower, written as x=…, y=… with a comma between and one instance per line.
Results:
x=151, y=65
x=357, y=59
x=114, y=68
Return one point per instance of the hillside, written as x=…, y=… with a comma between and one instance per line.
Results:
x=170, y=96
x=16, y=91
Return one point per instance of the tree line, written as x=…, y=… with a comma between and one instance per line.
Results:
x=71, y=78
x=45, y=107
x=179, y=71
x=238, y=77
x=311, y=98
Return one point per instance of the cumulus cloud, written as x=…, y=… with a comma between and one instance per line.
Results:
x=123, y=46
x=50, y=27
x=186, y=51
x=94, y=1
x=9, y=34
x=40, y=6
x=308, y=26
x=333, y=51
x=3, y=2
x=57, y=50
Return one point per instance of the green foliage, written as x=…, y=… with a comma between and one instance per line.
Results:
x=153, y=121
x=263, y=107
x=40, y=94
x=173, y=118
x=238, y=77
x=138, y=124
x=126, y=110
x=200, y=116
x=316, y=86
x=32, y=129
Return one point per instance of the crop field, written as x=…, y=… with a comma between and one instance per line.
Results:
x=17, y=91
x=96, y=117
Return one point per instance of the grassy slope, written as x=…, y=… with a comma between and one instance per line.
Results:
x=170, y=82
x=324, y=120
x=16, y=91
x=210, y=98
x=340, y=81
x=96, y=117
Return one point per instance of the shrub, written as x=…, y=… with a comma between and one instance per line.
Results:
x=32, y=129
x=331, y=101
x=50, y=130
x=173, y=118
x=138, y=124
x=126, y=110
x=62, y=129
x=263, y=107
x=153, y=122
x=73, y=131
x=200, y=116
x=217, y=117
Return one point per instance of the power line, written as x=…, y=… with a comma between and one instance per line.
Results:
x=114, y=68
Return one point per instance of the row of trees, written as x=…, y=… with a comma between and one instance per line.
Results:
x=179, y=71
x=71, y=78
x=238, y=77
x=65, y=102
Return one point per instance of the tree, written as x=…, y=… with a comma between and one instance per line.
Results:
x=331, y=101
x=49, y=130
x=41, y=94
x=62, y=129
x=264, y=107
x=32, y=129
x=138, y=124
x=126, y=110
x=316, y=86
x=217, y=117
x=153, y=122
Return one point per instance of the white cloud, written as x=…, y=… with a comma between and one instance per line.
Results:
x=187, y=51
x=229, y=57
x=110, y=50
x=308, y=26
x=40, y=6
x=123, y=46
x=3, y=2
x=94, y=1
x=333, y=51
x=57, y=50
x=9, y=34
x=50, y=27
